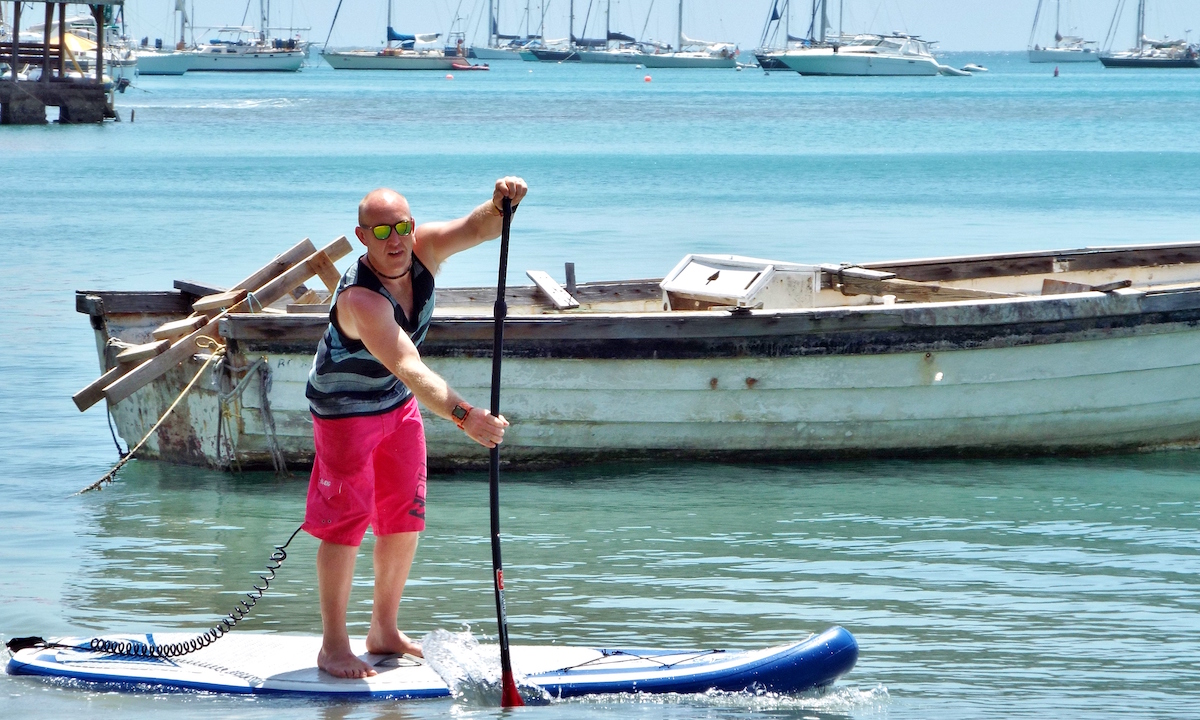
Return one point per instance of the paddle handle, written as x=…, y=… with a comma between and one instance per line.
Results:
x=509, y=697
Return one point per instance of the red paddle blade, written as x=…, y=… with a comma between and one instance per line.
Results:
x=509, y=697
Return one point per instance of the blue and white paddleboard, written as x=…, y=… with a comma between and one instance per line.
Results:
x=266, y=663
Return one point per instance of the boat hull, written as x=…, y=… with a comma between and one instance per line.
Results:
x=375, y=61
x=600, y=57
x=1062, y=55
x=164, y=63
x=1117, y=61
x=552, y=55
x=1082, y=373
x=770, y=61
x=685, y=60
x=489, y=54
x=266, y=61
x=823, y=61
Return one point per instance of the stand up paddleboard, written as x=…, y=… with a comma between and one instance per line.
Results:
x=284, y=664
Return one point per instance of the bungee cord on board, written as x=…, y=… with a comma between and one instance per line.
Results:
x=133, y=648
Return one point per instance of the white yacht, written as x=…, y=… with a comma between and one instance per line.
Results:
x=231, y=51
x=865, y=55
x=1066, y=48
x=403, y=56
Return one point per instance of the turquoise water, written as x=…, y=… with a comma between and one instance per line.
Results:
x=1049, y=588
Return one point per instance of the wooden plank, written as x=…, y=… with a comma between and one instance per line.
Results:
x=310, y=297
x=324, y=269
x=199, y=289
x=154, y=368
x=135, y=354
x=1028, y=263
x=92, y=394
x=1062, y=287
x=317, y=308
x=557, y=293
x=220, y=301
x=122, y=302
x=178, y=328
x=917, y=292
x=280, y=264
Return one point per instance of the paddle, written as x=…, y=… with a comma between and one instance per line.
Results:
x=509, y=697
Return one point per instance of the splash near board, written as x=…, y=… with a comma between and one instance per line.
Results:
x=284, y=664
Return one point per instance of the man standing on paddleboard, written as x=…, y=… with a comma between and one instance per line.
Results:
x=363, y=390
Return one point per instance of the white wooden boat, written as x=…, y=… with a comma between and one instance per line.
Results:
x=1075, y=351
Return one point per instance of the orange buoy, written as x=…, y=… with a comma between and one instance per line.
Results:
x=449, y=76
x=647, y=78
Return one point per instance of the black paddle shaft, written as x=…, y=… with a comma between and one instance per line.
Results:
x=500, y=311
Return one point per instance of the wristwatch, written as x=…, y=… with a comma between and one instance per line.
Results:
x=460, y=413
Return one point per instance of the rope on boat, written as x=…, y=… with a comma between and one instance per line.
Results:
x=225, y=417
x=218, y=351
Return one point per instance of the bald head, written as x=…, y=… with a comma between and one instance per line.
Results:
x=382, y=206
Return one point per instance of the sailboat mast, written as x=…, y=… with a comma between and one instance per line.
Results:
x=264, y=13
x=1057, y=18
x=571, y=32
x=1141, y=23
x=493, y=30
x=680, y=48
x=389, y=24
x=824, y=20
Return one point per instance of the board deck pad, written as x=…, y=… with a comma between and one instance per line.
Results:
x=269, y=663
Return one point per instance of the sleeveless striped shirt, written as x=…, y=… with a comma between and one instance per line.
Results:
x=346, y=380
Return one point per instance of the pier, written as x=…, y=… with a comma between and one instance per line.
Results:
x=48, y=73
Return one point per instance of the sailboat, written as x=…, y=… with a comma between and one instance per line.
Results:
x=403, y=56
x=556, y=50
x=248, y=49
x=768, y=51
x=862, y=55
x=604, y=52
x=1067, y=48
x=1148, y=53
x=500, y=46
x=160, y=61
x=711, y=54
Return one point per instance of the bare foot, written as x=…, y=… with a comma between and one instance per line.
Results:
x=383, y=642
x=343, y=664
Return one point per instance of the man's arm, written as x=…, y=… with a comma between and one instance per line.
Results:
x=437, y=241
x=368, y=315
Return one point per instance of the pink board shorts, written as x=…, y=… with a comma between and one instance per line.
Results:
x=369, y=471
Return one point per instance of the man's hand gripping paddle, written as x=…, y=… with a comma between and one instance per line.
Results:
x=509, y=697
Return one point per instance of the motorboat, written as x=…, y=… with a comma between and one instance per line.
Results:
x=865, y=55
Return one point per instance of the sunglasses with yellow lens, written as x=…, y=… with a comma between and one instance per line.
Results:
x=383, y=232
